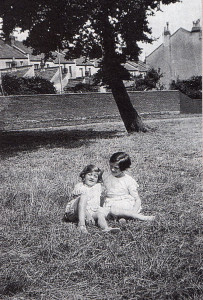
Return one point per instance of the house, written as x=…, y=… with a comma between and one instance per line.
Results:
x=180, y=54
x=24, y=71
x=17, y=59
x=67, y=66
x=84, y=68
x=10, y=57
x=36, y=60
x=136, y=68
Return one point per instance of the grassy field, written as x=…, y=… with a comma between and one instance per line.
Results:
x=44, y=258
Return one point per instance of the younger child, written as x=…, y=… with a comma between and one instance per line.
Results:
x=85, y=206
x=122, y=198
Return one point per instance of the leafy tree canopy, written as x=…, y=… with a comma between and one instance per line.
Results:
x=81, y=27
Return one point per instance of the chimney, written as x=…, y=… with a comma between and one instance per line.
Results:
x=11, y=40
x=196, y=26
x=166, y=29
x=167, y=34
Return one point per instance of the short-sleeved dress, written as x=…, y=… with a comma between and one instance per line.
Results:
x=118, y=191
x=93, y=200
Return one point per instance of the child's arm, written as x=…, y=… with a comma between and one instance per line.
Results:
x=103, y=195
x=135, y=195
x=78, y=189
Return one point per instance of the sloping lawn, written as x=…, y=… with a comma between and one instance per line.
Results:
x=45, y=258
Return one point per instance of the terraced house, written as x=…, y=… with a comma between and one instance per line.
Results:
x=10, y=57
x=19, y=60
x=180, y=54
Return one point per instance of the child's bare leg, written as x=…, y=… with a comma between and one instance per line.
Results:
x=102, y=223
x=142, y=217
x=82, y=213
x=127, y=213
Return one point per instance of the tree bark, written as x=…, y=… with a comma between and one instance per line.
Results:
x=130, y=117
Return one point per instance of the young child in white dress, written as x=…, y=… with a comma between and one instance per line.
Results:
x=122, y=198
x=85, y=205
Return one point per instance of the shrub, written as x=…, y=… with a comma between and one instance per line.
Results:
x=82, y=88
x=149, y=82
x=192, y=87
x=13, y=85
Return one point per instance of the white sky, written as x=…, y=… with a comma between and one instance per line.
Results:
x=178, y=15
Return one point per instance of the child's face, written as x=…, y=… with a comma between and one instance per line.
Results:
x=115, y=170
x=91, y=178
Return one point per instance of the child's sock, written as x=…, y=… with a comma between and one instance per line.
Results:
x=122, y=221
x=112, y=229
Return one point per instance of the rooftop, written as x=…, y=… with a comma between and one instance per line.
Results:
x=46, y=73
x=83, y=62
x=6, y=51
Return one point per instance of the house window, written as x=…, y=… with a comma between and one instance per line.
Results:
x=21, y=63
x=8, y=64
x=81, y=72
x=65, y=70
x=36, y=66
x=70, y=71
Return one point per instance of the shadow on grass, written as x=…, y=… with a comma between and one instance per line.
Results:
x=14, y=142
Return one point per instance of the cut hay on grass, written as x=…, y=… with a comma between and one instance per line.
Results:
x=45, y=258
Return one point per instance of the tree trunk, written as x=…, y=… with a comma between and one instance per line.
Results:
x=130, y=117
x=113, y=74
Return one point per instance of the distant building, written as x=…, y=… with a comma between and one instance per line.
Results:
x=10, y=57
x=180, y=54
x=18, y=60
x=136, y=68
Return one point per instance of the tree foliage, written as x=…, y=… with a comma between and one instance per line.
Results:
x=84, y=28
x=13, y=85
x=192, y=87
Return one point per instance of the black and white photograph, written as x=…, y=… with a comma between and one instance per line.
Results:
x=101, y=150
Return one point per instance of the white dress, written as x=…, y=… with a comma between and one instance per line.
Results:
x=93, y=198
x=118, y=191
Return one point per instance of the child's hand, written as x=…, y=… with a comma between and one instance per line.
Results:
x=78, y=189
x=83, y=229
x=89, y=219
x=76, y=192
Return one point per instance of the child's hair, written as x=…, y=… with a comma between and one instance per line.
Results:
x=90, y=169
x=123, y=160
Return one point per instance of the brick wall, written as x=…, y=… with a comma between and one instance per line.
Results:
x=54, y=110
x=190, y=106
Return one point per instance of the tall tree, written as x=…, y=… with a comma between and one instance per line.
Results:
x=107, y=29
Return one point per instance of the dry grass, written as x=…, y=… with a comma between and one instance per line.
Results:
x=44, y=258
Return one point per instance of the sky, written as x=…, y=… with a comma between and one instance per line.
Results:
x=178, y=15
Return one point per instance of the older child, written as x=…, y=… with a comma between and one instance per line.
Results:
x=122, y=198
x=85, y=206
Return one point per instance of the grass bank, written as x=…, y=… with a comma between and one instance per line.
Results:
x=44, y=258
